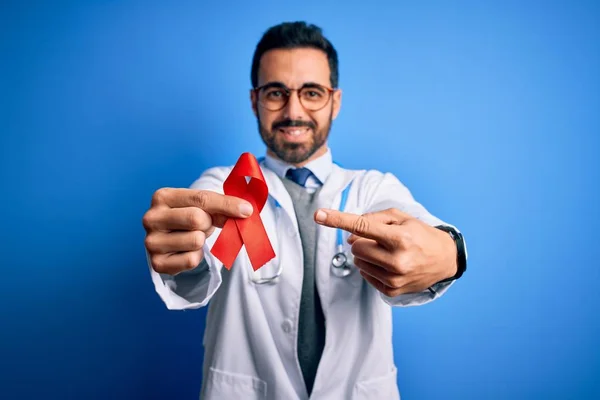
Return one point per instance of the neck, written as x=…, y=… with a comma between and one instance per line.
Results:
x=320, y=151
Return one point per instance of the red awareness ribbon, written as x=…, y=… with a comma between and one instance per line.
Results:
x=248, y=231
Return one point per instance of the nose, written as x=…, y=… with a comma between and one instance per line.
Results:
x=294, y=109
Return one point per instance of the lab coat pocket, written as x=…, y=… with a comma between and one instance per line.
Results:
x=229, y=385
x=268, y=273
x=382, y=387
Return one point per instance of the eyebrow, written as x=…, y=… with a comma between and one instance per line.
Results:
x=313, y=85
x=274, y=84
x=279, y=84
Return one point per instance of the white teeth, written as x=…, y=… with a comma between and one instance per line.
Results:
x=294, y=132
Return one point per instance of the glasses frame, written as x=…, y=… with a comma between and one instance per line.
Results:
x=288, y=93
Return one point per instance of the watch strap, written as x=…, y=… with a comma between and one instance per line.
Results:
x=461, y=257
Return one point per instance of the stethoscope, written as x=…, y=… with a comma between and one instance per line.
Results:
x=341, y=263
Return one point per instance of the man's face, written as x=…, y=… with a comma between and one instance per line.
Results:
x=296, y=133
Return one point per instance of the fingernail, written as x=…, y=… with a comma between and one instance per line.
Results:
x=320, y=216
x=246, y=209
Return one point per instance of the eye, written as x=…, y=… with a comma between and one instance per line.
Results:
x=312, y=94
x=275, y=93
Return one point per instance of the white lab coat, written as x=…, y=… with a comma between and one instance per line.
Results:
x=251, y=330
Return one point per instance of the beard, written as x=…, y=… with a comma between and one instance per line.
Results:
x=294, y=153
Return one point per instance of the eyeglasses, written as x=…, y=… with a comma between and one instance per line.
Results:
x=275, y=96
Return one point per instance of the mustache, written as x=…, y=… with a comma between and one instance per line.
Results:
x=293, y=123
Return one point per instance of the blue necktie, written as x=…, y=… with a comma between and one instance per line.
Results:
x=298, y=175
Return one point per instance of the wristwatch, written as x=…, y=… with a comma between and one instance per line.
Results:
x=461, y=253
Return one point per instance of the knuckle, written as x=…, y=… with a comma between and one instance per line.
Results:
x=358, y=249
x=394, y=283
x=148, y=220
x=355, y=249
x=159, y=196
x=191, y=260
x=229, y=204
x=391, y=211
x=334, y=220
x=361, y=225
x=193, y=218
x=398, y=214
x=149, y=243
x=400, y=269
x=158, y=263
x=201, y=199
x=403, y=265
x=395, y=212
x=198, y=240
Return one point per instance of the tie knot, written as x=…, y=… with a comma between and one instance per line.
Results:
x=298, y=175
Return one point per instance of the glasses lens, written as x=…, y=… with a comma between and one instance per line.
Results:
x=314, y=98
x=273, y=98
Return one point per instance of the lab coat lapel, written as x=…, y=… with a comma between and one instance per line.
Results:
x=329, y=197
x=278, y=193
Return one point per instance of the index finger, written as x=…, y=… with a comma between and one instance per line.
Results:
x=360, y=225
x=209, y=201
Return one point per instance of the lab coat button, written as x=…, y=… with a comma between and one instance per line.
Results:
x=287, y=326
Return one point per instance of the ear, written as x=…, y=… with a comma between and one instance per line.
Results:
x=253, y=101
x=337, y=102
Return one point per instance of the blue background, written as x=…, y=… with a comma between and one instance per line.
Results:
x=489, y=113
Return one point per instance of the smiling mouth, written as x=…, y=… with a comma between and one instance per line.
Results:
x=294, y=133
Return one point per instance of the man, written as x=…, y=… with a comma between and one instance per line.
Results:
x=300, y=327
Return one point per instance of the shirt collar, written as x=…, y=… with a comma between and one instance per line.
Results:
x=320, y=167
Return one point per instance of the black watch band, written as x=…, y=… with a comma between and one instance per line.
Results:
x=461, y=256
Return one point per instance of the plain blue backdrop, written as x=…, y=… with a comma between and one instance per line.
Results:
x=488, y=112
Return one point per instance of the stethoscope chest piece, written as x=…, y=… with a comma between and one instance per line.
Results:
x=341, y=265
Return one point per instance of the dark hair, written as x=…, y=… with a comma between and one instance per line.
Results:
x=290, y=35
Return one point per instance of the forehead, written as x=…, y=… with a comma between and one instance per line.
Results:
x=294, y=67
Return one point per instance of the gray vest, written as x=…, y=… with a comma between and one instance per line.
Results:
x=311, y=326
